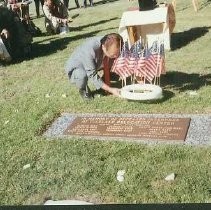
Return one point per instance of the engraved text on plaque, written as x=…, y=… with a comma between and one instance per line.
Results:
x=130, y=127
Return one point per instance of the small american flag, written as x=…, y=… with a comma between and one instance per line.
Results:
x=161, y=61
x=151, y=62
x=122, y=63
x=119, y=66
x=154, y=60
x=132, y=59
x=140, y=67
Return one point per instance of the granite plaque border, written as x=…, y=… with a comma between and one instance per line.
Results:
x=199, y=132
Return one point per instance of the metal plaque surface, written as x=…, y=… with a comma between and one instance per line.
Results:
x=130, y=127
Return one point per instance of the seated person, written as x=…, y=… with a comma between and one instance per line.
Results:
x=14, y=5
x=20, y=7
x=3, y=3
x=56, y=16
x=14, y=37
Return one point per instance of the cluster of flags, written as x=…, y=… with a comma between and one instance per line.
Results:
x=140, y=61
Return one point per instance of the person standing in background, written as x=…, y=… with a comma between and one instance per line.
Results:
x=37, y=6
x=91, y=4
x=85, y=3
x=66, y=3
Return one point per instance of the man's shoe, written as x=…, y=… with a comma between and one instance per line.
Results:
x=99, y=93
x=86, y=94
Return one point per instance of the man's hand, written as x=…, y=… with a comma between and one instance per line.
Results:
x=114, y=91
x=65, y=21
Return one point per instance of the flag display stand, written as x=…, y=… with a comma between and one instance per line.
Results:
x=144, y=65
x=146, y=34
x=160, y=20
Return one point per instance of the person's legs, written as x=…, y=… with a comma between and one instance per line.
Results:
x=37, y=6
x=50, y=28
x=55, y=26
x=77, y=4
x=42, y=2
x=66, y=3
x=79, y=78
x=91, y=3
x=85, y=3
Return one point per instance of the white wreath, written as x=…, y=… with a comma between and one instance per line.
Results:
x=141, y=92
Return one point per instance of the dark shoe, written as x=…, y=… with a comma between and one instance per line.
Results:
x=99, y=93
x=86, y=94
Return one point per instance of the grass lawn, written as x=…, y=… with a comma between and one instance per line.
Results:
x=86, y=170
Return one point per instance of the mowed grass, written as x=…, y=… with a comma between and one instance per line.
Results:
x=86, y=170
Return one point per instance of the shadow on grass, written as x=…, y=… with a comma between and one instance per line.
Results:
x=178, y=81
x=182, y=81
x=202, y=6
x=105, y=1
x=60, y=43
x=48, y=39
x=95, y=4
x=79, y=28
x=42, y=49
x=56, y=43
x=205, y=4
x=181, y=39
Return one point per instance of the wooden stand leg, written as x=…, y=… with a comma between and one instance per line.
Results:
x=195, y=5
x=194, y=2
x=174, y=3
x=132, y=32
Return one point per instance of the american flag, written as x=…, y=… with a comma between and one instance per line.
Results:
x=119, y=66
x=161, y=61
x=148, y=62
x=132, y=59
x=122, y=63
x=151, y=62
x=140, y=67
x=154, y=60
x=129, y=61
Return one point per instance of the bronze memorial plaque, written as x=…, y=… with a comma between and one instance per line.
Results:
x=130, y=127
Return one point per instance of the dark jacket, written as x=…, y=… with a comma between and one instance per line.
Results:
x=19, y=37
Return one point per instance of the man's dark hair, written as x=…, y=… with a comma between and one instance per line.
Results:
x=110, y=39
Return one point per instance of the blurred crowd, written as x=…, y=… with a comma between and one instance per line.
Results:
x=17, y=28
x=16, y=31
